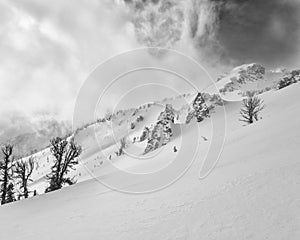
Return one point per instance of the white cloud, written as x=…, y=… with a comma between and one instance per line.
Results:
x=47, y=49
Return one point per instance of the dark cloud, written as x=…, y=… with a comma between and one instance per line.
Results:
x=259, y=30
x=225, y=32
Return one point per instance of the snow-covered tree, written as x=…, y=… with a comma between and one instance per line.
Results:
x=65, y=158
x=251, y=107
x=199, y=109
x=162, y=131
x=288, y=79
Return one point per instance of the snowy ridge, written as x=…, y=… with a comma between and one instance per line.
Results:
x=124, y=124
x=97, y=155
x=236, y=84
x=251, y=194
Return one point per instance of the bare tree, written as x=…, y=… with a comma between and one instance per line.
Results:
x=23, y=171
x=65, y=154
x=251, y=107
x=6, y=171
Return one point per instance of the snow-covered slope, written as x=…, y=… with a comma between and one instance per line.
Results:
x=253, y=193
x=100, y=153
x=253, y=77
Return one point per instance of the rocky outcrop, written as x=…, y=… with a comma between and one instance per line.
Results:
x=243, y=75
x=290, y=78
x=199, y=109
x=145, y=134
x=162, y=132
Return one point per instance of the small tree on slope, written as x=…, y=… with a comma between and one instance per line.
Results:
x=6, y=171
x=251, y=107
x=65, y=154
x=23, y=171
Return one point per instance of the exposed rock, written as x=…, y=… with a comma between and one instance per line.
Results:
x=145, y=134
x=243, y=75
x=162, y=131
x=199, y=109
x=290, y=78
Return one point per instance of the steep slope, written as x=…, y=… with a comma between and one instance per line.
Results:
x=126, y=124
x=252, y=194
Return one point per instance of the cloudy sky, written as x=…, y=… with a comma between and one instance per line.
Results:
x=48, y=48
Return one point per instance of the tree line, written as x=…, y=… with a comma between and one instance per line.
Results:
x=66, y=152
x=18, y=172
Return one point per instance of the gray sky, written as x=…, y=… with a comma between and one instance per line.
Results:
x=261, y=30
x=48, y=48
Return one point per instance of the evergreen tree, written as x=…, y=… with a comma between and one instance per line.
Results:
x=65, y=158
x=10, y=193
x=23, y=171
x=199, y=109
x=6, y=171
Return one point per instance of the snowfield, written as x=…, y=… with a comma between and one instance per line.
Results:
x=253, y=193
